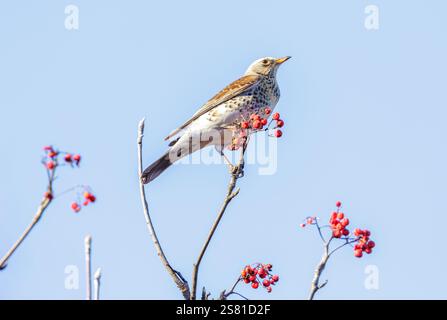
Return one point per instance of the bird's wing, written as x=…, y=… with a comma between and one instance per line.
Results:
x=232, y=90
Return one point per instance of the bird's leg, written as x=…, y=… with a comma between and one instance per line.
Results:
x=238, y=170
x=226, y=160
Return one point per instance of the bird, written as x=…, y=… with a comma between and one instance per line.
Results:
x=256, y=89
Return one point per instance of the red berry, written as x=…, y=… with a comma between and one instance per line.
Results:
x=367, y=233
x=278, y=133
x=267, y=110
x=276, y=116
x=48, y=195
x=338, y=204
x=252, y=278
x=255, y=285
x=266, y=283
x=275, y=278
x=269, y=266
x=86, y=202
x=345, y=232
x=246, y=280
x=358, y=253
x=77, y=158
x=371, y=244
x=368, y=250
x=51, y=165
x=302, y=225
x=344, y=222
x=75, y=207
x=67, y=157
x=245, y=125
x=243, y=273
x=257, y=124
x=279, y=123
x=336, y=234
x=310, y=220
x=263, y=121
x=269, y=289
x=340, y=215
x=48, y=148
x=334, y=215
x=52, y=154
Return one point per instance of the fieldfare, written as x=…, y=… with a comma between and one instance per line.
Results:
x=219, y=117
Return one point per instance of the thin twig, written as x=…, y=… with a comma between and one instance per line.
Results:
x=237, y=173
x=205, y=294
x=319, y=230
x=224, y=295
x=238, y=294
x=44, y=203
x=181, y=283
x=97, y=282
x=348, y=241
x=88, y=266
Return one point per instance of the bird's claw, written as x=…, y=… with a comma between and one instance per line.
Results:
x=237, y=171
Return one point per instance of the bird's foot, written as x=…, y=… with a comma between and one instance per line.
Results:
x=237, y=171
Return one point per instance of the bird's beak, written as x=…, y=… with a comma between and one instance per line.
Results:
x=282, y=60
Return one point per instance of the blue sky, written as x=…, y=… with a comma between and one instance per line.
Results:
x=365, y=124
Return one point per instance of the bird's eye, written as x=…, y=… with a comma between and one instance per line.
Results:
x=265, y=61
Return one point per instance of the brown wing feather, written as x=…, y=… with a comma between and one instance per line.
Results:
x=233, y=89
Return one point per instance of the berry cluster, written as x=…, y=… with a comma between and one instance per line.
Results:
x=88, y=198
x=364, y=244
x=256, y=122
x=338, y=225
x=259, y=273
x=309, y=221
x=51, y=159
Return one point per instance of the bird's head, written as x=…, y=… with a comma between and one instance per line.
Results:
x=266, y=66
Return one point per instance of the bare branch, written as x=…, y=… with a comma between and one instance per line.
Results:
x=348, y=241
x=224, y=295
x=238, y=172
x=205, y=294
x=97, y=283
x=181, y=283
x=319, y=230
x=315, y=285
x=44, y=203
x=88, y=266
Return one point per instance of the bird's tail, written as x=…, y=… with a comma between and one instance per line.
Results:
x=155, y=169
